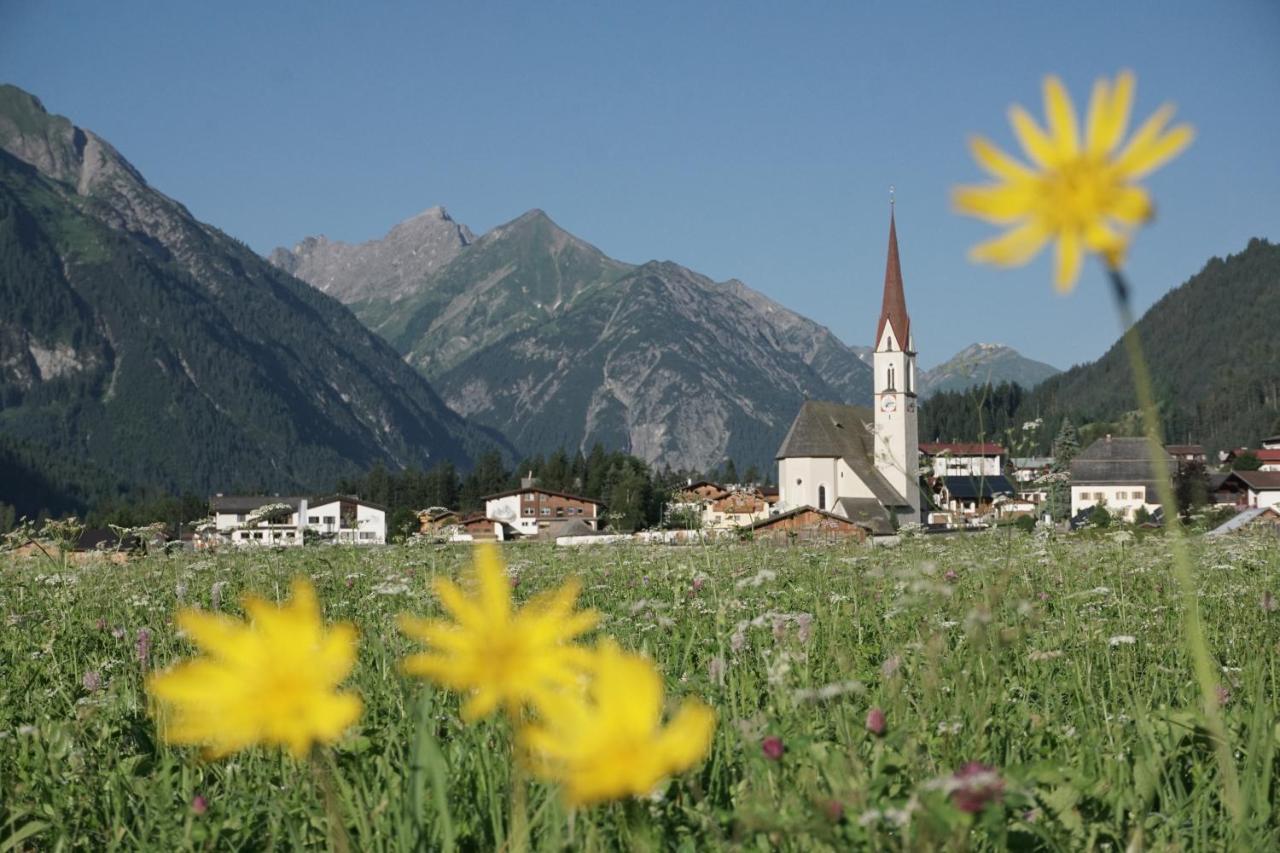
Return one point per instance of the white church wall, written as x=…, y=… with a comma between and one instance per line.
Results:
x=800, y=478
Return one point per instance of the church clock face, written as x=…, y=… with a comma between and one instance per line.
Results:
x=888, y=403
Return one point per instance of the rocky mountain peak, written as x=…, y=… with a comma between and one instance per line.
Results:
x=57, y=148
x=387, y=268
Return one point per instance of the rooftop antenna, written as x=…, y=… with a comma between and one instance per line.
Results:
x=891, y=196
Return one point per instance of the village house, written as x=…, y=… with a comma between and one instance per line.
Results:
x=806, y=524
x=1186, y=453
x=739, y=508
x=282, y=521
x=436, y=520
x=1118, y=473
x=1254, y=518
x=1249, y=489
x=534, y=511
x=963, y=458
x=860, y=463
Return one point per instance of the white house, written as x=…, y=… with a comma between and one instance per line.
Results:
x=963, y=458
x=855, y=462
x=1252, y=489
x=532, y=510
x=1119, y=473
x=281, y=521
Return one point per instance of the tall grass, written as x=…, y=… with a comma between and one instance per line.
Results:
x=1000, y=648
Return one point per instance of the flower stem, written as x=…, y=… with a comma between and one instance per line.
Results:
x=1197, y=645
x=338, y=839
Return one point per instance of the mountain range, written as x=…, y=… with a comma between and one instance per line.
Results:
x=535, y=332
x=140, y=341
x=1213, y=348
x=980, y=364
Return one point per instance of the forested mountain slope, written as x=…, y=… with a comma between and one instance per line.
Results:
x=163, y=352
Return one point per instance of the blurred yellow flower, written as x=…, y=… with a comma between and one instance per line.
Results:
x=610, y=743
x=500, y=657
x=1080, y=193
x=271, y=680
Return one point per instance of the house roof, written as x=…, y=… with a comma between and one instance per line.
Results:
x=543, y=491
x=775, y=519
x=970, y=488
x=868, y=512
x=1267, y=456
x=1258, y=481
x=835, y=430
x=1119, y=460
x=1032, y=461
x=1244, y=518
x=248, y=503
x=893, y=310
x=961, y=448
x=1185, y=449
x=328, y=499
x=573, y=527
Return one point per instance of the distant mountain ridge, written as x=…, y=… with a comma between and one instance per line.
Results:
x=1213, y=348
x=536, y=332
x=168, y=354
x=979, y=364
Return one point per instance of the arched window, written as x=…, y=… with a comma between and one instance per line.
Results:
x=822, y=497
x=892, y=377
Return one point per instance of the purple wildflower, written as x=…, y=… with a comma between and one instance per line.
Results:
x=199, y=805
x=876, y=721
x=773, y=748
x=977, y=786
x=144, y=647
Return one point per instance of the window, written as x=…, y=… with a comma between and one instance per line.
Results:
x=559, y=512
x=1122, y=496
x=313, y=519
x=1140, y=494
x=328, y=519
x=239, y=516
x=528, y=497
x=822, y=497
x=366, y=534
x=288, y=534
x=546, y=510
x=892, y=377
x=528, y=510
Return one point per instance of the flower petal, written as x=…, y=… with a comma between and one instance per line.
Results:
x=1038, y=147
x=1061, y=115
x=998, y=203
x=1146, y=153
x=1130, y=205
x=998, y=163
x=1067, y=267
x=1012, y=248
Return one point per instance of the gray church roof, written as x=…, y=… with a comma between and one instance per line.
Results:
x=826, y=430
x=1121, y=461
x=868, y=512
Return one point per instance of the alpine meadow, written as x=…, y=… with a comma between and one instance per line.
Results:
x=815, y=428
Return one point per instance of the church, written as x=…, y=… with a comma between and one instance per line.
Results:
x=856, y=462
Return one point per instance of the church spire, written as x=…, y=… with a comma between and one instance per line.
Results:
x=893, y=311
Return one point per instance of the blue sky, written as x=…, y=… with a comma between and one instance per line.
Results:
x=746, y=140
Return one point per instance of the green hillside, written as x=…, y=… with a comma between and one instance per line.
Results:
x=1213, y=345
x=157, y=349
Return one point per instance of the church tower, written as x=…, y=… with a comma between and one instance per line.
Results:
x=897, y=435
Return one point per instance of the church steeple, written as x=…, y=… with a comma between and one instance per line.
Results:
x=893, y=310
x=894, y=384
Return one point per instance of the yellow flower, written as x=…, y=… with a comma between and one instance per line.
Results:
x=609, y=743
x=1080, y=193
x=271, y=680
x=498, y=656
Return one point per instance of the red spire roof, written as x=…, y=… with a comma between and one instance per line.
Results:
x=894, y=309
